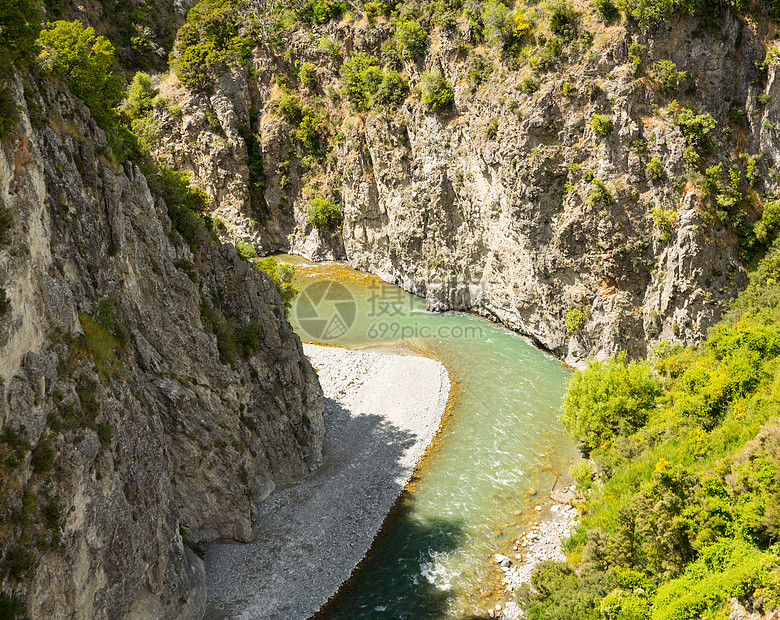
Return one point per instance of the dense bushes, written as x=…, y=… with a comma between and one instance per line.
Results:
x=601, y=124
x=233, y=336
x=309, y=127
x=366, y=86
x=606, y=10
x=696, y=128
x=650, y=13
x=564, y=20
x=20, y=24
x=609, y=398
x=684, y=514
x=361, y=76
x=647, y=12
x=321, y=11
x=668, y=76
x=391, y=92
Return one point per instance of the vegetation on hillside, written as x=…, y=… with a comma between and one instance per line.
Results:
x=684, y=511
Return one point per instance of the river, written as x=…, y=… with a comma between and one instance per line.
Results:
x=498, y=454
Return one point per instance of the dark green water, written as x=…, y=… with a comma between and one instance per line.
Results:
x=501, y=440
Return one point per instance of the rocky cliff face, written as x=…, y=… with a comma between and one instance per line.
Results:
x=125, y=431
x=495, y=206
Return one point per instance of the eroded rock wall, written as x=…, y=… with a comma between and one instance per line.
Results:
x=124, y=433
x=491, y=206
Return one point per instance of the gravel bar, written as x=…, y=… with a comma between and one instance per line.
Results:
x=381, y=412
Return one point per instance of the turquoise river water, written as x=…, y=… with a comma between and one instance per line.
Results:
x=498, y=454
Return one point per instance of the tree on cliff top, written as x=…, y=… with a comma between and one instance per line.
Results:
x=83, y=60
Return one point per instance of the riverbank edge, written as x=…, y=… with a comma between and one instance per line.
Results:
x=542, y=541
x=404, y=497
x=351, y=387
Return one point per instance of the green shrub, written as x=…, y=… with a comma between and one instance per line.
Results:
x=255, y=157
x=310, y=131
x=725, y=193
x=769, y=225
x=479, y=69
x=208, y=42
x=696, y=127
x=361, y=76
x=11, y=607
x=17, y=562
x=307, y=74
x=601, y=124
x=726, y=569
x=107, y=316
x=42, y=455
x=548, y=57
x=83, y=60
x=564, y=20
x=608, y=399
x=575, y=321
x=737, y=114
x=392, y=91
x=623, y=604
x=282, y=276
x=647, y=13
x=6, y=223
x=751, y=168
x=665, y=219
x=140, y=96
x=324, y=214
x=556, y=592
x=606, y=10
x=246, y=250
x=582, y=472
x=232, y=337
x=436, y=92
x=248, y=338
x=411, y=39
x=9, y=114
x=321, y=11
x=290, y=107
x=529, y=85
x=685, y=514
x=669, y=78
x=499, y=22
x=329, y=44
x=187, y=206
x=599, y=195
x=635, y=56
x=491, y=130
x=654, y=169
